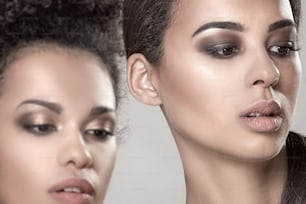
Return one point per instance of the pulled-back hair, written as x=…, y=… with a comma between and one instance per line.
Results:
x=91, y=25
x=145, y=23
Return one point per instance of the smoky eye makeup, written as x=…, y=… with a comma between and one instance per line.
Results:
x=223, y=45
x=36, y=123
x=284, y=35
x=283, y=43
x=100, y=128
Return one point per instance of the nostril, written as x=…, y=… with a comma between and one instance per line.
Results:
x=257, y=82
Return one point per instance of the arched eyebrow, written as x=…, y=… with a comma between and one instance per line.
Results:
x=57, y=108
x=239, y=27
x=281, y=24
x=100, y=110
x=49, y=105
x=220, y=24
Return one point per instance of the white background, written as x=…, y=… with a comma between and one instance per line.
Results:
x=148, y=169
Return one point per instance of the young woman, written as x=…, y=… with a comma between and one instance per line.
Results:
x=58, y=101
x=226, y=76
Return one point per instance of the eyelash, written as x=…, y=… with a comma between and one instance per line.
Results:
x=220, y=50
x=44, y=129
x=230, y=50
x=40, y=129
x=283, y=49
x=101, y=134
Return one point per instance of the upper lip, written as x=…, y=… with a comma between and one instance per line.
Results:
x=84, y=185
x=263, y=108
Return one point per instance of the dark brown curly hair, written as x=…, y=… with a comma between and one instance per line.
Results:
x=91, y=25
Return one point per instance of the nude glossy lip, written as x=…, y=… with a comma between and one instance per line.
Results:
x=263, y=116
x=84, y=191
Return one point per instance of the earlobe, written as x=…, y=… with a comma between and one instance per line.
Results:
x=140, y=80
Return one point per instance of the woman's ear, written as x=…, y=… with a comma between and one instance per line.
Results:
x=141, y=76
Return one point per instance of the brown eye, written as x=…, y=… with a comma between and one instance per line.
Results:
x=222, y=51
x=99, y=133
x=283, y=50
x=40, y=129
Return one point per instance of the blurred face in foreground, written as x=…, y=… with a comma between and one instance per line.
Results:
x=57, y=114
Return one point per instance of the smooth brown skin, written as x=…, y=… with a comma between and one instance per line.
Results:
x=202, y=97
x=30, y=162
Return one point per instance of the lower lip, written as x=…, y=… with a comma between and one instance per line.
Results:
x=263, y=124
x=71, y=198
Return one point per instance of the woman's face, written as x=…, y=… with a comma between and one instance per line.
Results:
x=57, y=115
x=229, y=76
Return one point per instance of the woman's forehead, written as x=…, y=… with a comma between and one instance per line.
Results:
x=188, y=12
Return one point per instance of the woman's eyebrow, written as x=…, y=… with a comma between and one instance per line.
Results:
x=220, y=24
x=100, y=110
x=238, y=27
x=281, y=24
x=49, y=105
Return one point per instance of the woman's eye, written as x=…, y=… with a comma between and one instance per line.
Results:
x=283, y=50
x=223, y=51
x=40, y=129
x=99, y=133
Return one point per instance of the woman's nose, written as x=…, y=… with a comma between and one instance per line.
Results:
x=75, y=152
x=264, y=71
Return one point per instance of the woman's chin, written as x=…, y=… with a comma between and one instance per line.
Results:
x=259, y=149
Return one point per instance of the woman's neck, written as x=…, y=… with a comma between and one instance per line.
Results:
x=214, y=179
